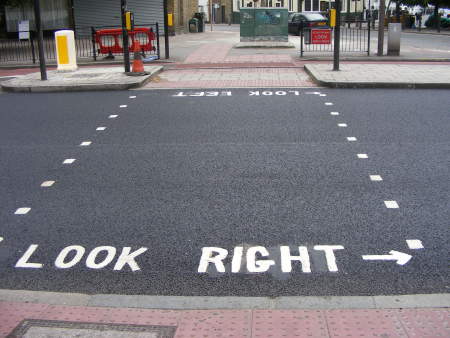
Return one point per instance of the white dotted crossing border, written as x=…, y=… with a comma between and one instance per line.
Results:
x=49, y=183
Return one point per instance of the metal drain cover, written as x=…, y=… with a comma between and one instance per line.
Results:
x=31, y=328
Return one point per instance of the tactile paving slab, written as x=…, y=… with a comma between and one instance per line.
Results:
x=289, y=323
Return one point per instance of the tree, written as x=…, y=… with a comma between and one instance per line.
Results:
x=424, y=3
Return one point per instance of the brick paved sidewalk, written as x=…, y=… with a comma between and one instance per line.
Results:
x=229, y=323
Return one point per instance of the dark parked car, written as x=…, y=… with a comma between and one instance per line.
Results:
x=306, y=20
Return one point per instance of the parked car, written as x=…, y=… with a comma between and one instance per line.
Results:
x=307, y=20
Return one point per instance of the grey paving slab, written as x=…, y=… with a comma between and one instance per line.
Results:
x=83, y=79
x=381, y=75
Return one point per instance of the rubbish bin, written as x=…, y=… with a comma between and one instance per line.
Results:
x=193, y=25
x=201, y=21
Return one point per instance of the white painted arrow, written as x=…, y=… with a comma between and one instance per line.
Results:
x=398, y=256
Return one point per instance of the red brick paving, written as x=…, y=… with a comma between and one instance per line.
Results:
x=246, y=323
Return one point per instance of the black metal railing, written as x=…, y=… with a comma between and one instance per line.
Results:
x=353, y=39
x=25, y=51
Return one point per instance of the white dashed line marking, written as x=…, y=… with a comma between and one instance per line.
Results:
x=22, y=211
x=132, y=97
x=328, y=103
x=342, y=125
x=375, y=178
x=69, y=161
x=112, y=116
x=46, y=184
x=123, y=106
x=391, y=204
x=323, y=95
x=414, y=244
x=85, y=144
x=334, y=113
x=362, y=156
x=351, y=139
x=100, y=128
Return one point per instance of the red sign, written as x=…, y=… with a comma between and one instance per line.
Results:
x=321, y=36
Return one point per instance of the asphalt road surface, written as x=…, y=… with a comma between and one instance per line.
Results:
x=227, y=192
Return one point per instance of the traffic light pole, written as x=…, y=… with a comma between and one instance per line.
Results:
x=37, y=20
x=126, y=51
x=337, y=36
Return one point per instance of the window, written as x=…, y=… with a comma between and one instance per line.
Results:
x=308, y=5
x=315, y=5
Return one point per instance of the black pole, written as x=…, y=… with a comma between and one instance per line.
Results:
x=337, y=36
x=37, y=20
x=166, y=31
x=126, y=51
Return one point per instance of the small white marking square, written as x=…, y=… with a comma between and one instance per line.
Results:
x=362, y=156
x=46, y=184
x=22, y=211
x=391, y=204
x=100, y=128
x=123, y=106
x=342, y=125
x=334, y=113
x=112, y=116
x=323, y=95
x=69, y=161
x=375, y=178
x=328, y=103
x=351, y=139
x=414, y=244
x=132, y=97
x=85, y=144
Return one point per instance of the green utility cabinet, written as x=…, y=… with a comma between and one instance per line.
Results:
x=264, y=24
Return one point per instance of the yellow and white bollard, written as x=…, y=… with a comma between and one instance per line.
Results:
x=66, y=55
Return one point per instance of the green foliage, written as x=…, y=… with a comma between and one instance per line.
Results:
x=431, y=22
x=15, y=3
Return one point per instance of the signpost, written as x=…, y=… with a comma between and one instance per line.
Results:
x=337, y=36
x=37, y=18
x=126, y=51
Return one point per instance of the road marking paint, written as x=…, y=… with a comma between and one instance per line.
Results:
x=351, y=139
x=362, y=156
x=391, y=204
x=22, y=211
x=328, y=103
x=399, y=257
x=335, y=113
x=375, y=178
x=46, y=184
x=322, y=94
x=414, y=244
x=123, y=106
x=100, y=128
x=342, y=125
x=69, y=161
x=112, y=116
x=85, y=144
x=132, y=97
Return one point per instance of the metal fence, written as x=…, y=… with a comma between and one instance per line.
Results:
x=14, y=50
x=353, y=39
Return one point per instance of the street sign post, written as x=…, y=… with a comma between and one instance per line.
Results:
x=37, y=17
x=337, y=36
x=126, y=51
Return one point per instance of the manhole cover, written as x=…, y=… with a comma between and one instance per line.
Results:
x=31, y=328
